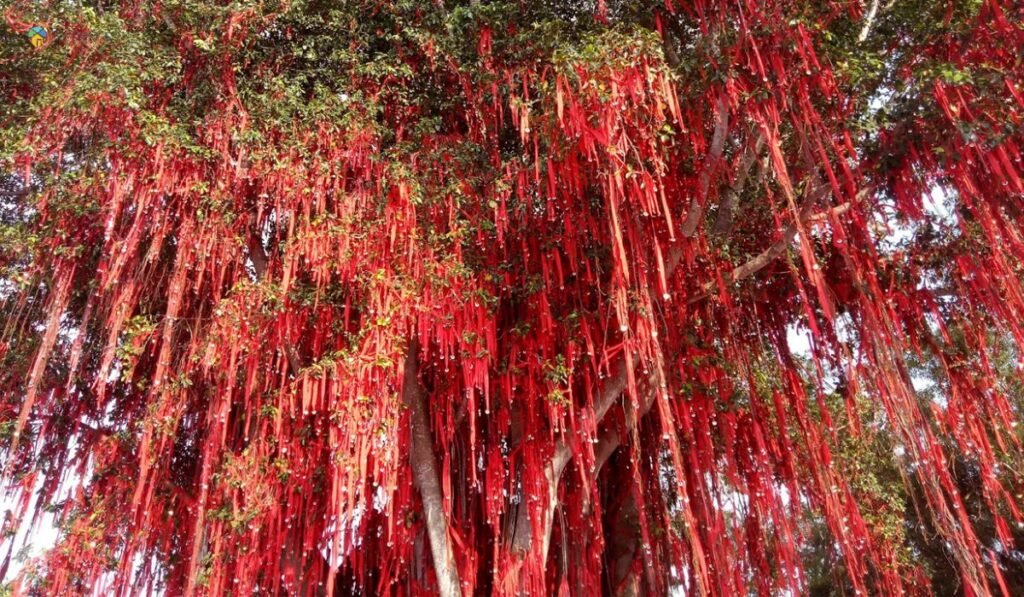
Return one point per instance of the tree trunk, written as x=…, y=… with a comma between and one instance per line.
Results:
x=425, y=477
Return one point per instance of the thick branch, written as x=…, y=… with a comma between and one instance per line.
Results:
x=610, y=439
x=623, y=548
x=696, y=212
x=522, y=532
x=607, y=394
x=426, y=479
x=869, y=20
x=613, y=387
x=815, y=192
x=260, y=261
x=258, y=255
x=837, y=210
x=727, y=207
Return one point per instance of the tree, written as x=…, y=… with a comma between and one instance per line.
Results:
x=356, y=297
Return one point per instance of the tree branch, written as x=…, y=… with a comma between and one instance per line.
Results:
x=727, y=207
x=696, y=211
x=609, y=440
x=613, y=387
x=869, y=20
x=260, y=262
x=815, y=192
x=257, y=254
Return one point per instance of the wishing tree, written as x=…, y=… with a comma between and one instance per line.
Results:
x=514, y=298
